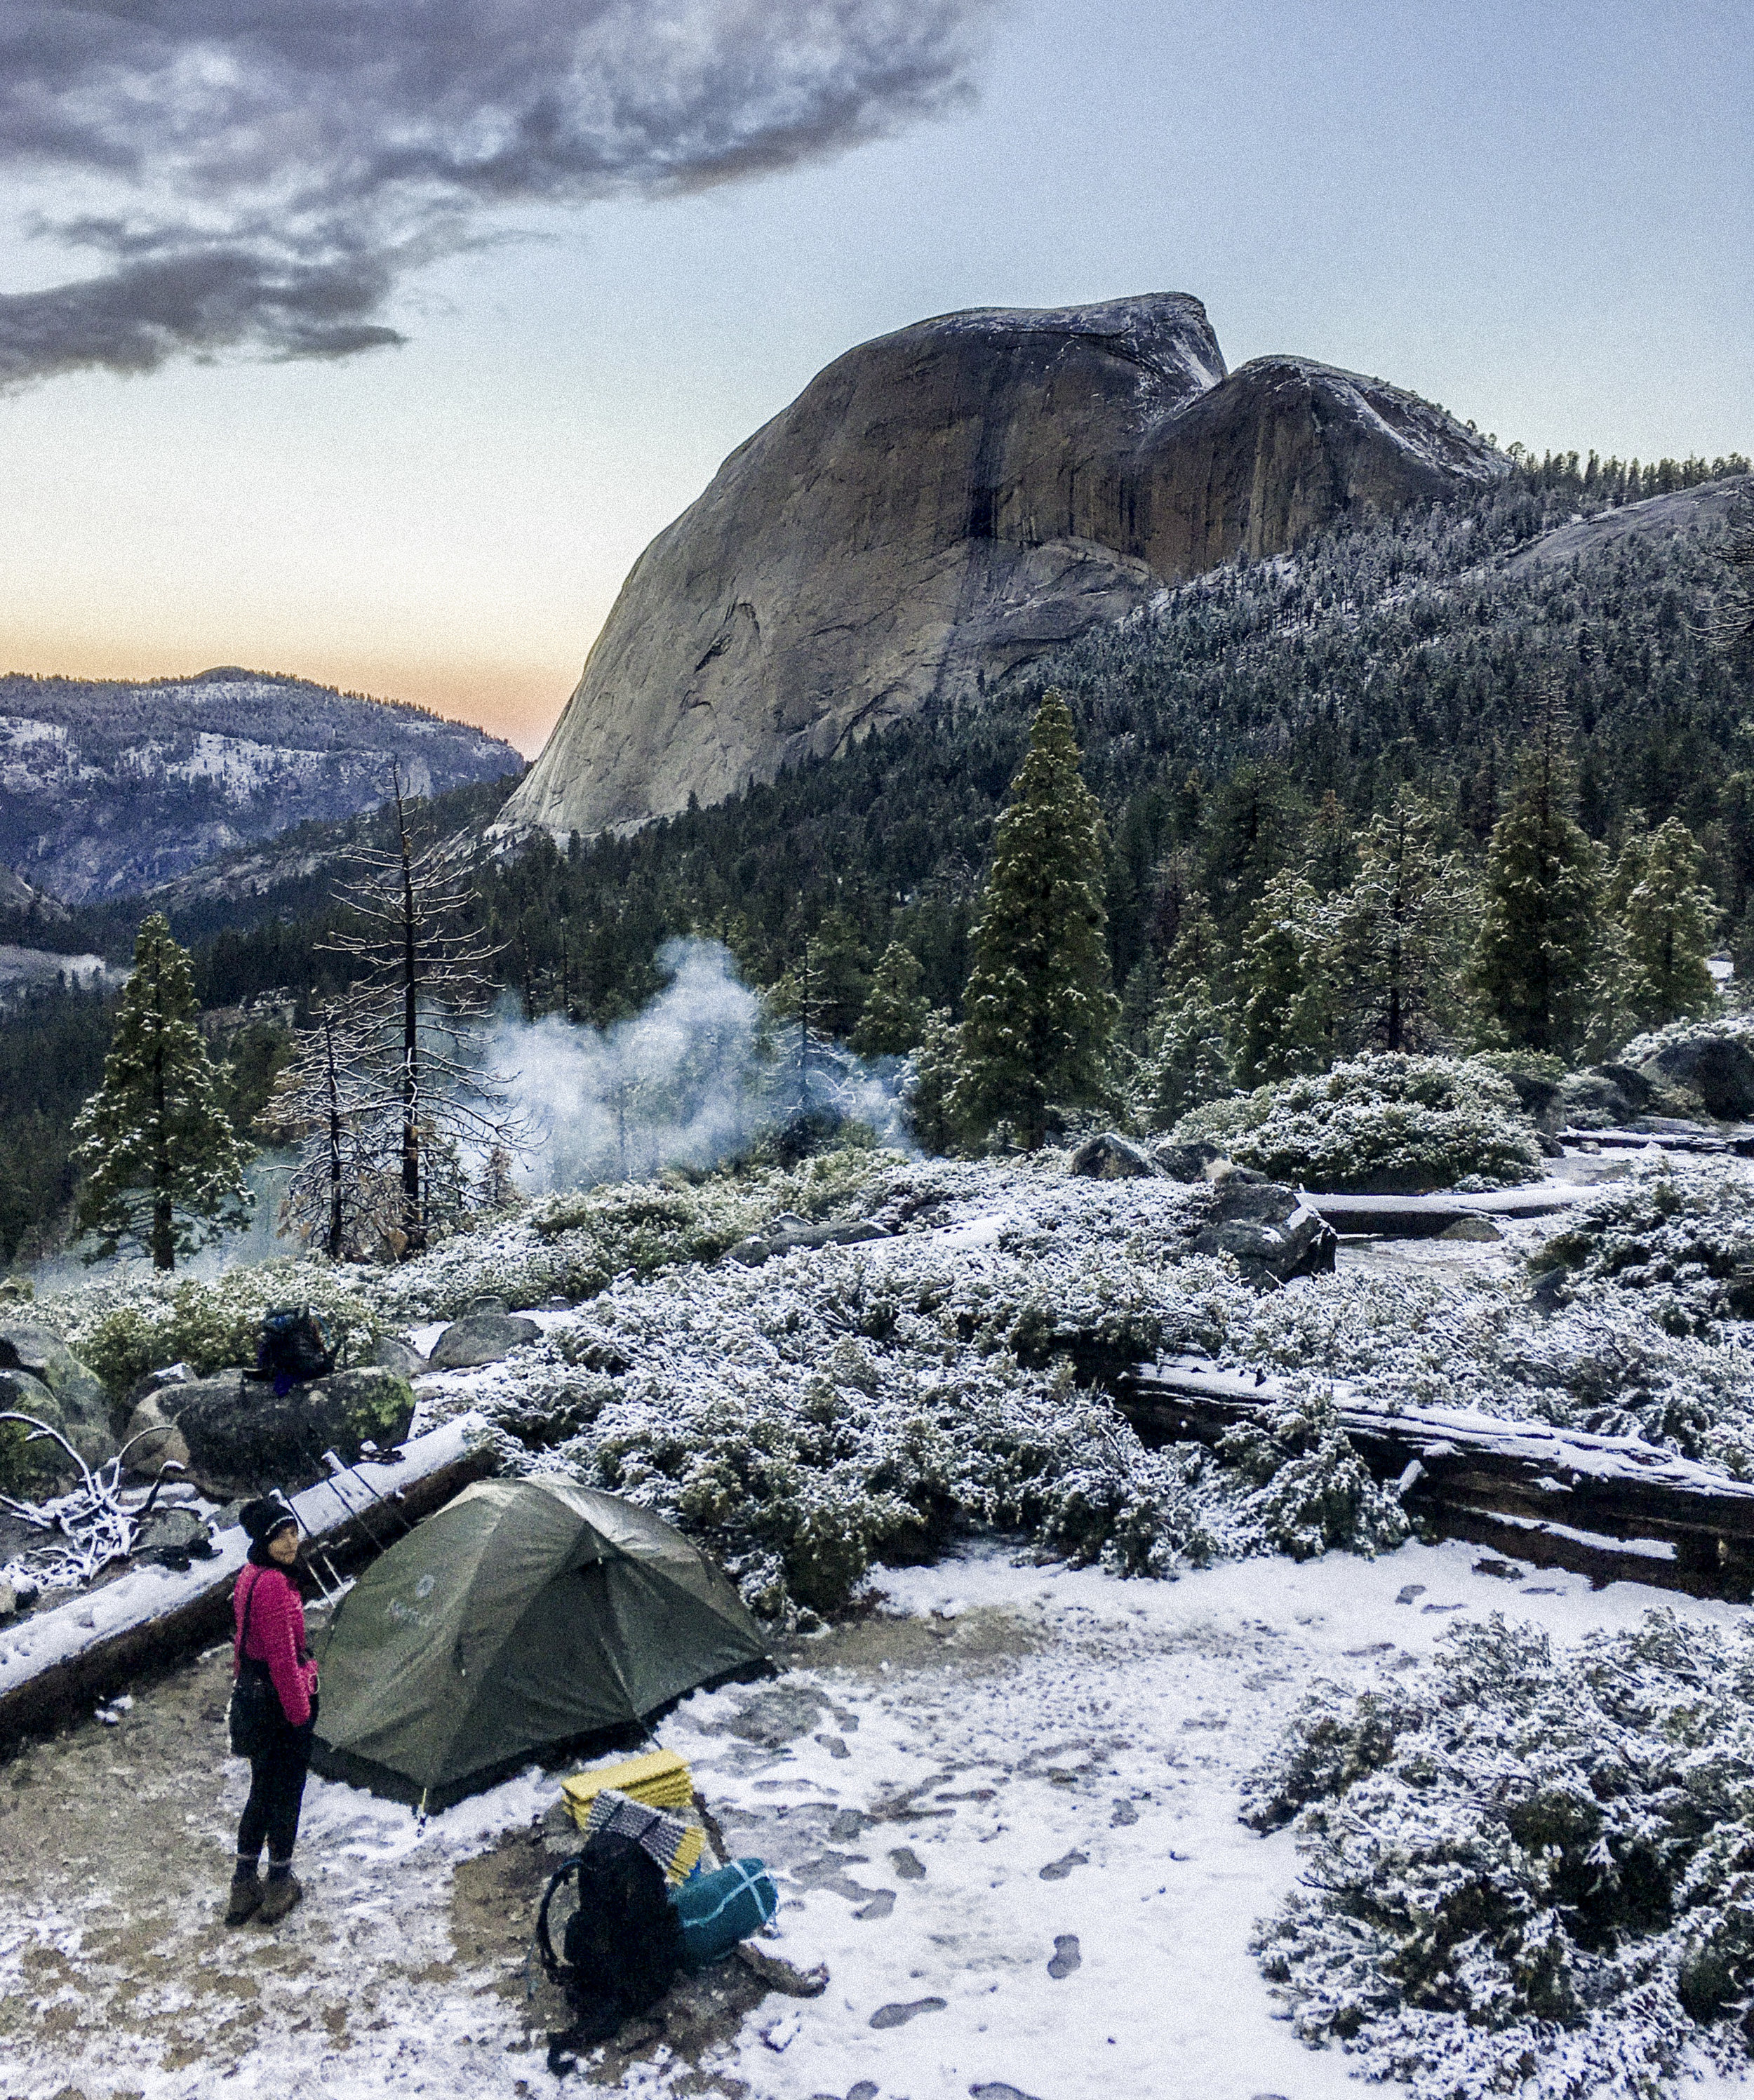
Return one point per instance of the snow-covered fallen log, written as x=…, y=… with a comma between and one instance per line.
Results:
x=53, y=1659
x=1427, y=1217
x=1612, y=1507
x=1739, y=1143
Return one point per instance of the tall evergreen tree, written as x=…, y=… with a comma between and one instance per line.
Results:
x=164, y=1168
x=1187, y=1061
x=1669, y=916
x=1532, y=961
x=1039, y=1011
x=1288, y=998
x=894, y=1017
x=1400, y=931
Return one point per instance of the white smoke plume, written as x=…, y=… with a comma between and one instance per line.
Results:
x=261, y=175
x=698, y=1077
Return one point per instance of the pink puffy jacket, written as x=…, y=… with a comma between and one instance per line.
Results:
x=277, y=1637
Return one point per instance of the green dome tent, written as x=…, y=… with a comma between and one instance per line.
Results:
x=521, y=1615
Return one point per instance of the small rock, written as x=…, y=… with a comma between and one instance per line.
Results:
x=898, y=2016
x=1067, y=1956
x=751, y=1252
x=171, y=1535
x=1125, y=1816
x=992, y=2090
x=778, y=1974
x=1112, y=1158
x=906, y=1864
x=866, y=2089
x=1412, y=1590
x=833, y=1744
x=479, y=1339
x=492, y=1308
x=1471, y=1228
x=1506, y=1571
x=1057, y=1870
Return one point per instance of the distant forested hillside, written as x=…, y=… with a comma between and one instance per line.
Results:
x=1414, y=649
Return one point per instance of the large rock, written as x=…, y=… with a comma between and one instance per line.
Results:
x=1271, y=1234
x=943, y=505
x=1109, y=1157
x=242, y=1437
x=27, y=1346
x=1718, y=1069
x=481, y=1338
x=152, y=1440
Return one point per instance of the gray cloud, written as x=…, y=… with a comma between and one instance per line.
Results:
x=258, y=176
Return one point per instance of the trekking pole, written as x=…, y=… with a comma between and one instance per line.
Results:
x=337, y=1466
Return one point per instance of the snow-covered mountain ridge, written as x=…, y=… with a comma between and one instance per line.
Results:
x=107, y=787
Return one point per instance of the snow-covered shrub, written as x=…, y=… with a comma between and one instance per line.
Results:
x=1534, y=1874
x=123, y=1330
x=1683, y=1233
x=572, y=1247
x=1382, y=1122
x=1731, y=1026
x=826, y=1411
x=1312, y=1490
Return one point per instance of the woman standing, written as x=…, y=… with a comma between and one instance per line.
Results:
x=268, y=1645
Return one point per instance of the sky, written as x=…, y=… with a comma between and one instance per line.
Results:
x=371, y=339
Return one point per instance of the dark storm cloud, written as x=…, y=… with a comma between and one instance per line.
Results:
x=260, y=174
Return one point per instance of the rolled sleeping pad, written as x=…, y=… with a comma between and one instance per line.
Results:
x=717, y=1910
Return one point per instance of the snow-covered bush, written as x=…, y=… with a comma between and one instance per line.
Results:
x=1533, y=1874
x=1382, y=1122
x=572, y=1247
x=1313, y=1491
x=1681, y=1233
x=123, y=1330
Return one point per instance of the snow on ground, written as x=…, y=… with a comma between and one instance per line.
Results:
x=1002, y=1811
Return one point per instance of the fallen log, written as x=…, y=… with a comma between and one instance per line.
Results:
x=1612, y=1507
x=1428, y=1217
x=56, y=1658
x=1738, y=1145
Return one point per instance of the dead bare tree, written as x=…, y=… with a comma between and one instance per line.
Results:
x=398, y=1085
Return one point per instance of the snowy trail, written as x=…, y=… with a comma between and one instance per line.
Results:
x=910, y=1781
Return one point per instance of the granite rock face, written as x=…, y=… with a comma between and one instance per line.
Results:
x=943, y=505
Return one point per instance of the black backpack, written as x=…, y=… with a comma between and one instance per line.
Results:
x=295, y=1346
x=621, y=1948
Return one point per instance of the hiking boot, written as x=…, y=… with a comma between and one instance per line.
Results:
x=246, y=1897
x=282, y=1893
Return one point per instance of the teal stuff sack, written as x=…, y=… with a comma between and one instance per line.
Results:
x=717, y=1910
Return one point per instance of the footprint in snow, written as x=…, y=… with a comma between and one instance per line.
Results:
x=1376, y=1648
x=1412, y=1590
x=898, y=2016
x=1443, y=1607
x=906, y=1864
x=1056, y=1870
x=1066, y=1956
x=991, y=2091
x=879, y=1906
x=1124, y=1817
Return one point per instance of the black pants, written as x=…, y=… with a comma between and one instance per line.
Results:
x=276, y=1794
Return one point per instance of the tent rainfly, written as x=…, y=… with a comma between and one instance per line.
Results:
x=521, y=1616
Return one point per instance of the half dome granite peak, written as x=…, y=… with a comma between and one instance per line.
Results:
x=945, y=503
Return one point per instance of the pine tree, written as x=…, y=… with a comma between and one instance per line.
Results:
x=1532, y=965
x=895, y=1014
x=1399, y=932
x=826, y=989
x=164, y=1169
x=1288, y=1015
x=931, y=1086
x=1668, y=917
x=1038, y=1009
x=1187, y=1061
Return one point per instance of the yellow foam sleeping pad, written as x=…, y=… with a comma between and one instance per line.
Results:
x=660, y=1779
